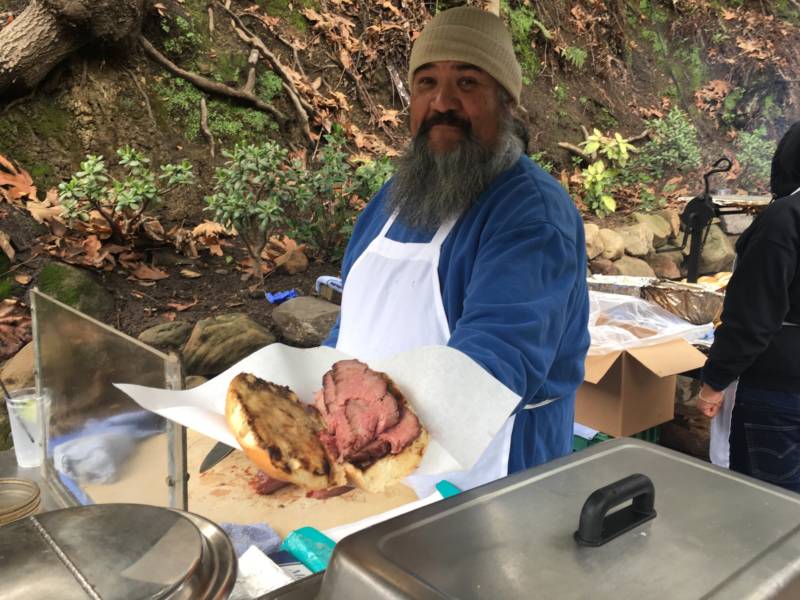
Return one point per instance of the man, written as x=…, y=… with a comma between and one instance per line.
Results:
x=758, y=342
x=471, y=244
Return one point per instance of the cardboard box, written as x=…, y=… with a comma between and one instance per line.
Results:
x=626, y=392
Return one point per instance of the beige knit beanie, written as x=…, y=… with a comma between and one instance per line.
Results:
x=470, y=35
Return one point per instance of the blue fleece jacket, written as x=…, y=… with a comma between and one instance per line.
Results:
x=513, y=280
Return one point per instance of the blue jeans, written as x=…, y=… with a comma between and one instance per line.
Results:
x=765, y=436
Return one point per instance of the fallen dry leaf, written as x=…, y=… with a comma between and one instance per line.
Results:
x=15, y=327
x=162, y=10
x=182, y=307
x=15, y=183
x=147, y=273
x=46, y=211
x=23, y=279
x=189, y=274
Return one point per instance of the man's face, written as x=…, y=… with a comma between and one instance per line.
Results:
x=449, y=99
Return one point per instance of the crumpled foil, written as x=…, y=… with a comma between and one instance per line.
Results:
x=689, y=301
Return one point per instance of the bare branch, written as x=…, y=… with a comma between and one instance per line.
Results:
x=207, y=85
x=252, y=61
x=144, y=96
x=575, y=150
x=394, y=75
x=204, y=125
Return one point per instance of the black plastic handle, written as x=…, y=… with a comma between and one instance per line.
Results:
x=596, y=526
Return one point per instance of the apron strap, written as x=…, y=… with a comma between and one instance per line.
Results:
x=436, y=240
x=536, y=405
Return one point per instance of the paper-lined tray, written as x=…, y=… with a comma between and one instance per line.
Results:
x=462, y=406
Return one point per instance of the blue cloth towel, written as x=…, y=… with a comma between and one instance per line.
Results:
x=261, y=535
x=98, y=451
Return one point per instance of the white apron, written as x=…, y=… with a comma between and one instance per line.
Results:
x=392, y=302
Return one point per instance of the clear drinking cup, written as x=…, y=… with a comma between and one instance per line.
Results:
x=25, y=414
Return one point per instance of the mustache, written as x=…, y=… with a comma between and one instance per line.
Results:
x=445, y=118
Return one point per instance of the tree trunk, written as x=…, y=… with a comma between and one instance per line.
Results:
x=49, y=30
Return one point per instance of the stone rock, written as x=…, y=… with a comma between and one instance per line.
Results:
x=219, y=342
x=635, y=267
x=305, y=321
x=688, y=432
x=638, y=239
x=76, y=288
x=613, y=244
x=663, y=266
x=594, y=245
x=19, y=371
x=735, y=224
x=293, y=262
x=686, y=389
x=603, y=266
x=169, y=336
x=661, y=229
x=672, y=217
x=718, y=252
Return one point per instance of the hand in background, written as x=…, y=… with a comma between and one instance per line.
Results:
x=709, y=400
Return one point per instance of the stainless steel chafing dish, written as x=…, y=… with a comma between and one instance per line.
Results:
x=714, y=535
x=115, y=551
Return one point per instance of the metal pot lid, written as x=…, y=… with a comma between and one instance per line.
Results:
x=18, y=498
x=117, y=551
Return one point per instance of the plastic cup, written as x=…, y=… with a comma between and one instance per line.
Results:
x=24, y=413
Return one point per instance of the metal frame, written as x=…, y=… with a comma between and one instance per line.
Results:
x=177, y=476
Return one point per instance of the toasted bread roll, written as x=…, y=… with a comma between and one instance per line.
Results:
x=279, y=433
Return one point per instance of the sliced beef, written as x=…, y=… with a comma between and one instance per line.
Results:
x=265, y=485
x=403, y=433
x=357, y=405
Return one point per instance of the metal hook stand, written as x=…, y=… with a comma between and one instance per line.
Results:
x=696, y=218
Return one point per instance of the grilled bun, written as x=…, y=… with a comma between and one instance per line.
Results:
x=279, y=433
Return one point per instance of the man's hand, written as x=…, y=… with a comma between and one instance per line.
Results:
x=709, y=400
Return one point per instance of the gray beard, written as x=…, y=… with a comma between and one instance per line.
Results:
x=430, y=188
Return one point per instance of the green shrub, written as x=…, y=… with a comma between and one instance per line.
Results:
x=673, y=145
x=250, y=192
x=260, y=192
x=575, y=56
x=181, y=39
x=522, y=23
x=541, y=159
x=122, y=202
x=327, y=198
x=269, y=85
x=597, y=184
x=754, y=153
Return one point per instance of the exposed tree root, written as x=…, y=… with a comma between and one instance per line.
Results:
x=250, y=38
x=207, y=85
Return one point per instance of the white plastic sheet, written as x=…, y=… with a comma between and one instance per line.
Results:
x=618, y=322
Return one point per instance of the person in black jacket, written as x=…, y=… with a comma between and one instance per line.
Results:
x=758, y=341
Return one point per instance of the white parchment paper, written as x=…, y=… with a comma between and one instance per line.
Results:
x=459, y=403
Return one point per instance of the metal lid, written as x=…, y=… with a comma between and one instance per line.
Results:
x=18, y=498
x=717, y=535
x=112, y=551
